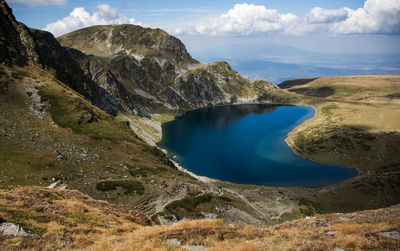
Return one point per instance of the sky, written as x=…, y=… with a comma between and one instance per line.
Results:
x=328, y=26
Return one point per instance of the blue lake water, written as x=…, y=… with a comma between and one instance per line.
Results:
x=246, y=144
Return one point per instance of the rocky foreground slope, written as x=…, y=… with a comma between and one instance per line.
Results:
x=65, y=219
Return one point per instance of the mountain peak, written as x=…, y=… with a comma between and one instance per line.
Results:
x=127, y=40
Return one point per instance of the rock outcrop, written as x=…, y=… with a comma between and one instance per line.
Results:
x=7, y=228
x=158, y=72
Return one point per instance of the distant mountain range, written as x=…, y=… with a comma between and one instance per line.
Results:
x=278, y=63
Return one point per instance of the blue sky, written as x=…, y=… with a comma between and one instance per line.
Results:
x=339, y=26
x=157, y=12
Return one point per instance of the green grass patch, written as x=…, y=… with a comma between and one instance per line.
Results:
x=312, y=205
x=188, y=204
x=288, y=216
x=363, y=136
x=153, y=150
x=194, y=207
x=21, y=217
x=306, y=211
x=144, y=170
x=194, y=193
x=19, y=75
x=138, y=171
x=224, y=198
x=128, y=185
x=86, y=219
x=327, y=110
x=346, y=91
x=67, y=112
x=342, y=141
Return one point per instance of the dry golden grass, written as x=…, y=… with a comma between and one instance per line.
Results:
x=357, y=125
x=369, y=104
x=116, y=229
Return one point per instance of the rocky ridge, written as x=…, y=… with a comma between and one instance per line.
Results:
x=131, y=70
x=159, y=73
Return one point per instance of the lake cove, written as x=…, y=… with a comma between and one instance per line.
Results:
x=246, y=144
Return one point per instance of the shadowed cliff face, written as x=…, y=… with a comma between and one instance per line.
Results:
x=22, y=46
x=12, y=40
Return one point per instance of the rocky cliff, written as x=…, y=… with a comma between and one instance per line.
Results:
x=158, y=72
x=129, y=68
x=21, y=46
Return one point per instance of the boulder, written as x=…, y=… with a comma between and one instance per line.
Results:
x=392, y=234
x=7, y=228
x=58, y=184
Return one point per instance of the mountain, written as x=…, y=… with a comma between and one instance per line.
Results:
x=22, y=45
x=260, y=59
x=157, y=71
x=63, y=119
x=278, y=72
x=66, y=117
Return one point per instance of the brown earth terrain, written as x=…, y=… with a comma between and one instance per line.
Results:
x=70, y=220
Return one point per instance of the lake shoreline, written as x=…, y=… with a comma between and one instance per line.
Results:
x=288, y=143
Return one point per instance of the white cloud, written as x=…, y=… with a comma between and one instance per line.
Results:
x=320, y=15
x=32, y=3
x=376, y=16
x=245, y=19
x=80, y=18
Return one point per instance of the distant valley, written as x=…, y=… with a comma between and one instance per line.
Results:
x=280, y=63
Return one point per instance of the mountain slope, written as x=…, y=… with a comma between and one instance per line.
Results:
x=356, y=125
x=70, y=220
x=156, y=68
x=55, y=126
x=22, y=45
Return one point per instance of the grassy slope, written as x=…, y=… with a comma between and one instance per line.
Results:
x=70, y=220
x=357, y=124
x=71, y=140
x=48, y=132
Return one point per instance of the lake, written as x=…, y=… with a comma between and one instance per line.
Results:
x=246, y=144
